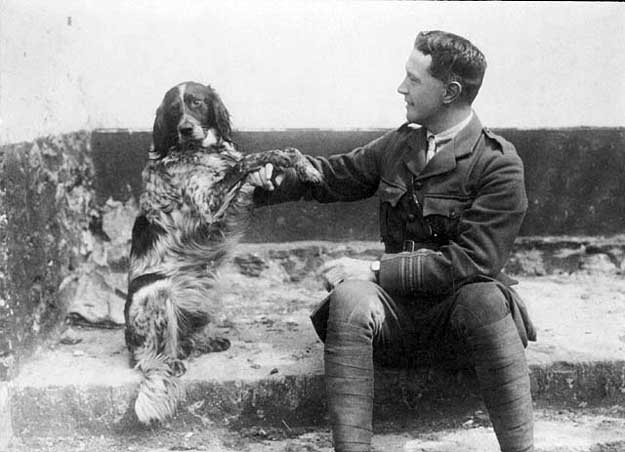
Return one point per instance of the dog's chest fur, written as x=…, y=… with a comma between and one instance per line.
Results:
x=193, y=199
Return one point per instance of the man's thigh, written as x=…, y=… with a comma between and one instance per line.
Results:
x=422, y=335
x=368, y=307
x=413, y=331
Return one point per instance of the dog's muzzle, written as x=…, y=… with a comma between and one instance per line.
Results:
x=189, y=131
x=186, y=129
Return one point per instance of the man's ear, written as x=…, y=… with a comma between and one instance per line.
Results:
x=452, y=92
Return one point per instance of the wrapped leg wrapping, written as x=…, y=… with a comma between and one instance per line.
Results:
x=502, y=373
x=348, y=361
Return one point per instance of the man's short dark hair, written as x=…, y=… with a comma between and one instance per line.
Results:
x=454, y=58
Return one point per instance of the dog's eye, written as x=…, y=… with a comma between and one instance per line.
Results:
x=196, y=102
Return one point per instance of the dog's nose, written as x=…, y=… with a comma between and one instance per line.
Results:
x=186, y=129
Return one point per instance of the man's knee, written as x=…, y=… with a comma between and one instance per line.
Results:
x=478, y=305
x=357, y=302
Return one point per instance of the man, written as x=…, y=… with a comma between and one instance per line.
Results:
x=452, y=200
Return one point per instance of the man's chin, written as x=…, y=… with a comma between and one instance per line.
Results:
x=412, y=119
x=410, y=114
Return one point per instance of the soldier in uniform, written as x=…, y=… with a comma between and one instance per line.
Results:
x=452, y=200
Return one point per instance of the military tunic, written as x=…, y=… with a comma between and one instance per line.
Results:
x=444, y=224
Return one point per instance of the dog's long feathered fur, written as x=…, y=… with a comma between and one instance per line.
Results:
x=192, y=211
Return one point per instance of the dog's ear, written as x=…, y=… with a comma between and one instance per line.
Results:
x=162, y=139
x=221, y=116
x=158, y=133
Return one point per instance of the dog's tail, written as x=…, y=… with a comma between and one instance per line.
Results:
x=160, y=391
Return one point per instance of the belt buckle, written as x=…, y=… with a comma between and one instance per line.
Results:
x=409, y=245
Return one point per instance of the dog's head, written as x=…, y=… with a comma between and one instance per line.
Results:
x=191, y=115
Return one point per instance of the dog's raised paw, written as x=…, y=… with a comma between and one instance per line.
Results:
x=308, y=173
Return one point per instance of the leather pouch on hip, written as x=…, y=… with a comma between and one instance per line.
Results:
x=319, y=318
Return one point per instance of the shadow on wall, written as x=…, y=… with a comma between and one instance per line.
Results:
x=573, y=178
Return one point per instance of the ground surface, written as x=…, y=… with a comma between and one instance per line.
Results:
x=578, y=317
x=600, y=430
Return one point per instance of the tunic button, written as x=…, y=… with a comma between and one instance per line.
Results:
x=418, y=185
x=411, y=217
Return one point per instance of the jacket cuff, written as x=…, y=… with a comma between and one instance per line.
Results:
x=403, y=273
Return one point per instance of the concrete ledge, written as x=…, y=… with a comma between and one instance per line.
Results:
x=297, y=399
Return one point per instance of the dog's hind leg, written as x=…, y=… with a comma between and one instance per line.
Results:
x=153, y=325
x=205, y=341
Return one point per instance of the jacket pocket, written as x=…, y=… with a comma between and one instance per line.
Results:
x=446, y=206
x=443, y=214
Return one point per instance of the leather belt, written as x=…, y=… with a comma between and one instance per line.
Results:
x=412, y=246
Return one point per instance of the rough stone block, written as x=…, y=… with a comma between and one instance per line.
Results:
x=46, y=203
x=6, y=432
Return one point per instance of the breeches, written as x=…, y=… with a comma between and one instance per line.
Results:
x=417, y=331
x=471, y=328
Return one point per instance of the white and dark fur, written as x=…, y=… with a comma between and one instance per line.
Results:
x=193, y=208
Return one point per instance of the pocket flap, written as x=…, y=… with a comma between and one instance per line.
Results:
x=390, y=193
x=447, y=207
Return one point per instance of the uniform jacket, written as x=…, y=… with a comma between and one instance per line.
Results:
x=443, y=224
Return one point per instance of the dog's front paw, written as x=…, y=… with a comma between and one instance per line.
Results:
x=308, y=173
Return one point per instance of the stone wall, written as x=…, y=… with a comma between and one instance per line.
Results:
x=573, y=178
x=67, y=205
x=46, y=205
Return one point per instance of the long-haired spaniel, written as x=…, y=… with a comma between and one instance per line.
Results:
x=193, y=209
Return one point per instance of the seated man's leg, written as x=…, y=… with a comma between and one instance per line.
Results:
x=361, y=316
x=482, y=320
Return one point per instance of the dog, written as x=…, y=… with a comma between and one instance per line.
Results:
x=192, y=211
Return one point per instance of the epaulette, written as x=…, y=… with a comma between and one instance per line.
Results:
x=504, y=145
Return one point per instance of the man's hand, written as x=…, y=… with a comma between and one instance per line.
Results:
x=335, y=271
x=263, y=178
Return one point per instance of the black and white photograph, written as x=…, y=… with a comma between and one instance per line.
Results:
x=312, y=226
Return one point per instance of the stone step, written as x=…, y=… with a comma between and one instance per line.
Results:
x=555, y=431
x=273, y=371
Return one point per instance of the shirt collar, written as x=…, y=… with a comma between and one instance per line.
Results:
x=449, y=134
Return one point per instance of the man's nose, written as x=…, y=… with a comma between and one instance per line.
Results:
x=401, y=89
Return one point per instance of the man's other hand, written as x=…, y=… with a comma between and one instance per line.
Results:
x=333, y=272
x=264, y=179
